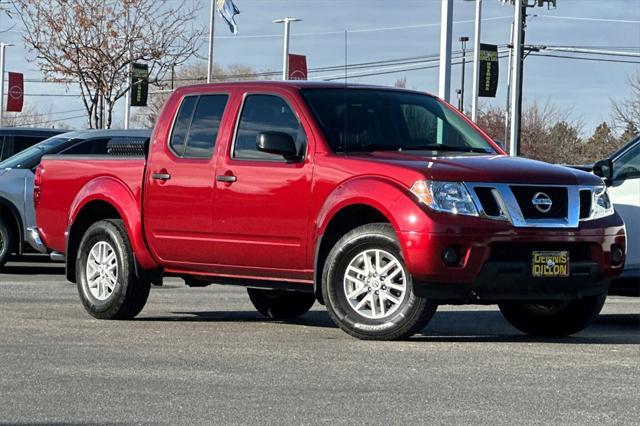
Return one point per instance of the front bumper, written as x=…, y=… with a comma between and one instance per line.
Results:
x=496, y=263
x=505, y=281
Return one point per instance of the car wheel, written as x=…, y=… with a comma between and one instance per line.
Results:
x=107, y=282
x=553, y=318
x=6, y=244
x=368, y=289
x=281, y=304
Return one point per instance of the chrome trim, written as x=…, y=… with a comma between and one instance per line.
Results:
x=511, y=212
x=56, y=257
x=33, y=238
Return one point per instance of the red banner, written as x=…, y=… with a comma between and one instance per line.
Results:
x=15, y=98
x=297, y=67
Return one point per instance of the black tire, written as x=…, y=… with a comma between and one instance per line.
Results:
x=410, y=315
x=129, y=294
x=6, y=243
x=281, y=304
x=553, y=318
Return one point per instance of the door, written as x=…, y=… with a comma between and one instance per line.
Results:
x=625, y=195
x=178, y=203
x=261, y=219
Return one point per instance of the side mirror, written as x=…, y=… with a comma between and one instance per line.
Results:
x=501, y=144
x=278, y=143
x=604, y=169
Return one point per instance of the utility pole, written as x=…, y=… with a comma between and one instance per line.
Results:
x=516, y=79
x=476, y=62
x=2, y=49
x=212, y=16
x=463, y=40
x=446, y=24
x=507, y=109
x=285, y=54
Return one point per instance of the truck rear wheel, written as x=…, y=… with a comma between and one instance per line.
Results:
x=105, y=272
x=368, y=289
x=553, y=318
x=6, y=243
x=281, y=304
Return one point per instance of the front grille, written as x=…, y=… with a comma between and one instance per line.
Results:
x=585, y=203
x=522, y=252
x=558, y=195
x=488, y=201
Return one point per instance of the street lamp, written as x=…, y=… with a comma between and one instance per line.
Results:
x=285, y=55
x=463, y=40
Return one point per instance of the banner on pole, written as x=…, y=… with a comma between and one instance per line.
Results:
x=297, y=67
x=139, y=84
x=488, y=71
x=15, y=98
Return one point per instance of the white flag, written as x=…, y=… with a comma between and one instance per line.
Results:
x=227, y=10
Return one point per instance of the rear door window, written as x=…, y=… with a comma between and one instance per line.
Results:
x=197, y=124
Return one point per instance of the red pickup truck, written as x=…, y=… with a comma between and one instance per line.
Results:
x=379, y=203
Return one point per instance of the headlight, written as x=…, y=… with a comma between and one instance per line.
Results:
x=449, y=197
x=601, y=204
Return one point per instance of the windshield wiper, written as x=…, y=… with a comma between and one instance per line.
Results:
x=444, y=148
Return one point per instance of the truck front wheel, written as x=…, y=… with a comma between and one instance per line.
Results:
x=105, y=272
x=553, y=318
x=281, y=304
x=368, y=289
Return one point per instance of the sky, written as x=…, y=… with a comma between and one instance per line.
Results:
x=385, y=29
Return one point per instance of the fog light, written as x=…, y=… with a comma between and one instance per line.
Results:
x=617, y=255
x=451, y=256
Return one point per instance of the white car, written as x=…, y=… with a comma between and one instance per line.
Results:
x=621, y=172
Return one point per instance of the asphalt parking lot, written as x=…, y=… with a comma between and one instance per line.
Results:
x=205, y=356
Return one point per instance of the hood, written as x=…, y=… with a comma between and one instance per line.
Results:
x=484, y=168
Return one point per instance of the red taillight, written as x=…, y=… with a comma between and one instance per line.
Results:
x=37, y=188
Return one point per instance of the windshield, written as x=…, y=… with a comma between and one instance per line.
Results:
x=390, y=120
x=30, y=157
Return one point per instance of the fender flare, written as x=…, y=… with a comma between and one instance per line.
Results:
x=117, y=194
x=376, y=192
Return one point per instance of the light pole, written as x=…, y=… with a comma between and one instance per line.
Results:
x=2, y=48
x=516, y=88
x=212, y=17
x=463, y=40
x=476, y=61
x=446, y=24
x=127, y=99
x=285, y=55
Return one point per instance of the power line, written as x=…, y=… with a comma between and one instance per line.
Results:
x=580, y=18
x=583, y=58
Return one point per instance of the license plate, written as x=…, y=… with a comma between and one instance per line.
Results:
x=550, y=264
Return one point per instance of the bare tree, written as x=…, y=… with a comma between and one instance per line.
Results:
x=92, y=42
x=30, y=116
x=192, y=74
x=626, y=113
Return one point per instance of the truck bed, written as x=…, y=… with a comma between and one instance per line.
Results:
x=64, y=179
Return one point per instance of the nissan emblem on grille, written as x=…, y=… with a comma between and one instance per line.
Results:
x=542, y=202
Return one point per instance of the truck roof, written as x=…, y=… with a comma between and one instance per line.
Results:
x=296, y=84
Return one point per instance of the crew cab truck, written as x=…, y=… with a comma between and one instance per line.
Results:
x=379, y=203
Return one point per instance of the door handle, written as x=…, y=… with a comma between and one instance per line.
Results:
x=161, y=176
x=226, y=178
